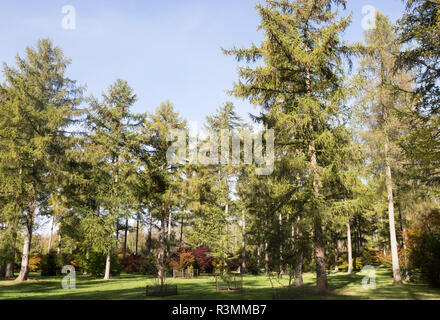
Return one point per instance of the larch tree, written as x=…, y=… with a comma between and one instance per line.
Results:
x=157, y=130
x=112, y=134
x=39, y=103
x=419, y=30
x=213, y=223
x=299, y=87
x=382, y=105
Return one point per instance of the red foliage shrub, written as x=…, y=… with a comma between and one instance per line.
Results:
x=203, y=260
x=132, y=263
x=234, y=264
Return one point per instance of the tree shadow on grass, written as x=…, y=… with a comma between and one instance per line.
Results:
x=132, y=287
x=343, y=280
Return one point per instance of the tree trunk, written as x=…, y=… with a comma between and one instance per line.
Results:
x=280, y=221
x=298, y=240
x=161, y=271
x=298, y=271
x=24, y=269
x=150, y=226
x=321, y=274
x=49, y=247
x=9, y=270
x=355, y=244
x=125, y=237
x=107, y=266
x=336, y=254
x=181, y=233
x=117, y=234
x=137, y=234
x=349, y=249
x=266, y=257
x=170, y=220
x=169, y=226
x=394, y=252
x=408, y=276
x=259, y=256
x=86, y=264
x=243, y=243
x=59, y=241
x=359, y=238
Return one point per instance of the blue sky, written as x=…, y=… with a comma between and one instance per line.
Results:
x=165, y=50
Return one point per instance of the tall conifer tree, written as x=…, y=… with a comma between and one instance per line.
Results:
x=39, y=103
x=383, y=105
x=112, y=128
x=299, y=88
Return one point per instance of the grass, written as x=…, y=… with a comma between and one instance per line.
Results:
x=132, y=287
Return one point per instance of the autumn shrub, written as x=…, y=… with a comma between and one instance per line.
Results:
x=234, y=264
x=184, y=260
x=385, y=259
x=76, y=261
x=132, y=263
x=424, y=247
x=35, y=262
x=203, y=261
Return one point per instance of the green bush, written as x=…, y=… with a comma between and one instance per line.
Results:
x=252, y=267
x=148, y=266
x=49, y=266
x=52, y=263
x=370, y=257
x=343, y=264
x=95, y=264
x=309, y=266
x=364, y=260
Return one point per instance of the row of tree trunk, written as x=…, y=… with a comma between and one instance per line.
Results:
x=23, y=275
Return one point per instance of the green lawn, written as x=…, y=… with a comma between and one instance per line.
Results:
x=132, y=287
